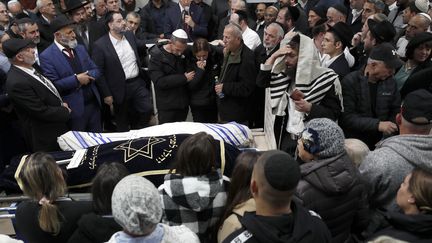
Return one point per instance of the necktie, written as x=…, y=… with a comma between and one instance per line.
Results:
x=69, y=52
x=185, y=26
x=84, y=35
x=48, y=84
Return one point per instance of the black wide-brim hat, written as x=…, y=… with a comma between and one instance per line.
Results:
x=59, y=22
x=343, y=31
x=74, y=4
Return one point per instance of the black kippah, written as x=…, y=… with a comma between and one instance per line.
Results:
x=282, y=172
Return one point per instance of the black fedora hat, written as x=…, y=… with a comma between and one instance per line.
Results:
x=60, y=22
x=343, y=31
x=74, y=4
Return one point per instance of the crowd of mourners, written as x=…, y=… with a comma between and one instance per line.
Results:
x=348, y=82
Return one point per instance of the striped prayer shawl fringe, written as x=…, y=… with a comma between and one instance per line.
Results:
x=314, y=91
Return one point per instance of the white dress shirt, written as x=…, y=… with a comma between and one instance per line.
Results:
x=126, y=56
x=251, y=38
x=47, y=83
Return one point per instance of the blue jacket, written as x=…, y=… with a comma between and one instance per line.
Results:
x=56, y=67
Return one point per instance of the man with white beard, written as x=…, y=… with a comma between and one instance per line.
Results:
x=73, y=73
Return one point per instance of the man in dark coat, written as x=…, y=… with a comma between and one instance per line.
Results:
x=168, y=72
x=87, y=31
x=273, y=34
x=153, y=16
x=36, y=101
x=186, y=16
x=122, y=82
x=237, y=78
x=371, y=99
x=46, y=14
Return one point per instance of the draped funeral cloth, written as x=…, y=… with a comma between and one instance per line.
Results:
x=233, y=133
x=311, y=79
x=151, y=157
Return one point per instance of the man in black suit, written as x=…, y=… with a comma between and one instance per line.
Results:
x=46, y=14
x=335, y=40
x=273, y=35
x=355, y=16
x=36, y=101
x=121, y=83
x=87, y=31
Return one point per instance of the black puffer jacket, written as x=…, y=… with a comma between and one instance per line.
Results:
x=167, y=73
x=411, y=228
x=359, y=120
x=201, y=87
x=332, y=188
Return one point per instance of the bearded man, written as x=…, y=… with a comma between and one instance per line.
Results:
x=73, y=73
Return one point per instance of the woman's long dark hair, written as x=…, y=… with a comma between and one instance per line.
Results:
x=239, y=191
x=107, y=177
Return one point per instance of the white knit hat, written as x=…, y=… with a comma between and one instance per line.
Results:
x=422, y=5
x=136, y=204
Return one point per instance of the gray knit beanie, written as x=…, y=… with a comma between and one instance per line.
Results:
x=323, y=137
x=136, y=204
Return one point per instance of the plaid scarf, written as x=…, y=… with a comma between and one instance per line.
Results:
x=196, y=202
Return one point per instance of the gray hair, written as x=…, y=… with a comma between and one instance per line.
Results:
x=133, y=14
x=280, y=31
x=12, y=2
x=356, y=150
x=175, y=39
x=236, y=30
x=23, y=26
x=40, y=4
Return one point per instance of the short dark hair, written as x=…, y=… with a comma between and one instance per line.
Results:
x=318, y=29
x=196, y=155
x=337, y=38
x=107, y=177
x=242, y=15
x=109, y=17
x=295, y=43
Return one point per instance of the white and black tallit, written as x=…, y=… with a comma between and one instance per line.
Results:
x=196, y=202
x=311, y=79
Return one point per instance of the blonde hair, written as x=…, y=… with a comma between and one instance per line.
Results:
x=356, y=150
x=43, y=181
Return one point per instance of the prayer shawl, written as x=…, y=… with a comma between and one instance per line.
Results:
x=311, y=79
x=150, y=157
x=232, y=133
x=195, y=202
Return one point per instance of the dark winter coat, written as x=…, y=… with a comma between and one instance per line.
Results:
x=94, y=228
x=167, y=73
x=331, y=188
x=238, y=78
x=359, y=120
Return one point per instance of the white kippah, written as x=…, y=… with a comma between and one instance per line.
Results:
x=179, y=33
x=426, y=16
x=422, y=5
